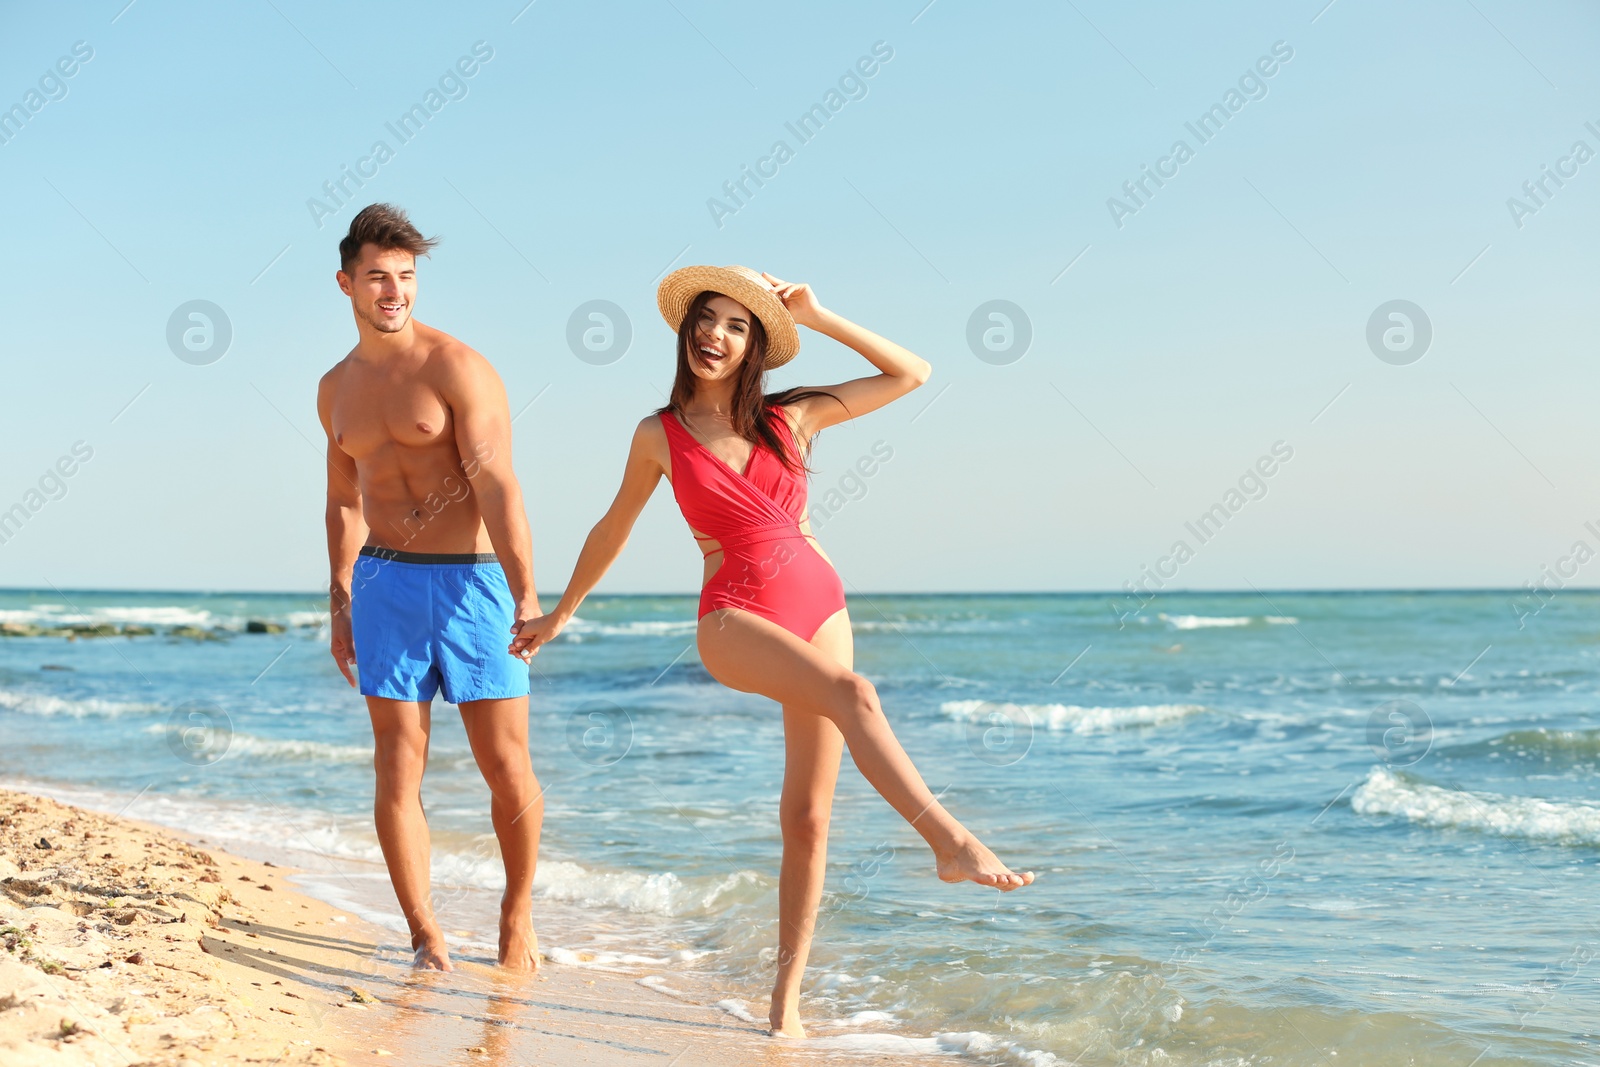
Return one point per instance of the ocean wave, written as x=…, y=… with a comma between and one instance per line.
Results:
x=152, y=616
x=1071, y=717
x=1564, y=821
x=293, y=749
x=967, y=625
x=1203, y=622
x=663, y=893
x=1537, y=742
x=580, y=627
x=48, y=704
x=60, y=615
x=275, y=748
x=658, y=894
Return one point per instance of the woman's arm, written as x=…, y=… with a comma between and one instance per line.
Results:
x=605, y=541
x=900, y=370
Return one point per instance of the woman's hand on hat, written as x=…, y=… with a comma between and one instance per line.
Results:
x=798, y=299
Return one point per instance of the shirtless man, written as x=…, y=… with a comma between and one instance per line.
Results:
x=432, y=570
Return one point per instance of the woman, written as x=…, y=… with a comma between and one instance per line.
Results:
x=772, y=611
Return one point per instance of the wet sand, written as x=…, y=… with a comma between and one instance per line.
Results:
x=126, y=944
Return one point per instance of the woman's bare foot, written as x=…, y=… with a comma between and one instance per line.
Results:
x=973, y=862
x=431, y=952
x=785, y=1021
x=519, y=945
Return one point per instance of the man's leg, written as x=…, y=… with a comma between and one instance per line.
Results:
x=400, y=735
x=498, y=733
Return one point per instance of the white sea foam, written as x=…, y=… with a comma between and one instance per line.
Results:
x=663, y=893
x=737, y=1009
x=48, y=704
x=1340, y=904
x=658, y=983
x=1203, y=622
x=1200, y=622
x=834, y=980
x=862, y=1018
x=1078, y=720
x=1566, y=821
x=995, y=1049
x=605, y=961
x=972, y=1043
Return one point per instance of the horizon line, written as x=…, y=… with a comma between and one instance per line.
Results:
x=1283, y=590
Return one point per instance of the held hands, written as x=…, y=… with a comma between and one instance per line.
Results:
x=800, y=301
x=530, y=633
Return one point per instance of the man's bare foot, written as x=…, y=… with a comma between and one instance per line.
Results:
x=431, y=953
x=785, y=1022
x=519, y=945
x=972, y=862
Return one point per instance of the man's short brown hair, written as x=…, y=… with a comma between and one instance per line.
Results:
x=385, y=226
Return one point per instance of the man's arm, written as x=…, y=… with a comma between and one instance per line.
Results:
x=483, y=437
x=347, y=532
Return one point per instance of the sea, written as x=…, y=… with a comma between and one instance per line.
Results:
x=1269, y=827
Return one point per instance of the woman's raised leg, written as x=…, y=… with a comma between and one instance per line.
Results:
x=812, y=747
x=750, y=654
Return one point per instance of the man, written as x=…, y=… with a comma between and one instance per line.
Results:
x=432, y=570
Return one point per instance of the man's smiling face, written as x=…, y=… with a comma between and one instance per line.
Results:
x=382, y=286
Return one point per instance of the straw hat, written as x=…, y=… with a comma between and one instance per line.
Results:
x=679, y=289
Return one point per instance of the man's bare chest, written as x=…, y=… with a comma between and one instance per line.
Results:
x=372, y=411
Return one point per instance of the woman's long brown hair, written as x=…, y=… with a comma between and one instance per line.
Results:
x=751, y=416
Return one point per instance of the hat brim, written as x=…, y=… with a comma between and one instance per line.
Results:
x=678, y=290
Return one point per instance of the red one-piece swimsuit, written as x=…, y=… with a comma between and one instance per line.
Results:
x=769, y=568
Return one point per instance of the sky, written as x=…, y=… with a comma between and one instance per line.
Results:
x=1351, y=319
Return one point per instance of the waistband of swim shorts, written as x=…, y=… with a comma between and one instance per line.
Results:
x=438, y=558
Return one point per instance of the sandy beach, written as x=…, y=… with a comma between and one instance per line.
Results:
x=125, y=944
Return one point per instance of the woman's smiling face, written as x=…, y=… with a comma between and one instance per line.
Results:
x=721, y=338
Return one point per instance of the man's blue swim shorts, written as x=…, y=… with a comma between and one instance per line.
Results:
x=425, y=623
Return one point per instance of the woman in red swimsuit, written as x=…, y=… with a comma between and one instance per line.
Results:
x=772, y=610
